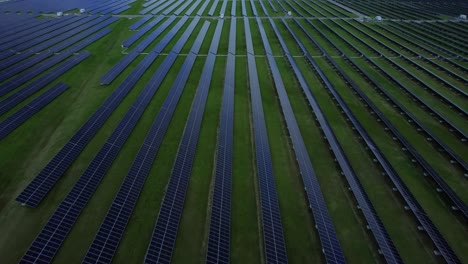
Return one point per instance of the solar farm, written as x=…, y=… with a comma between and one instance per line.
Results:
x=233, y=131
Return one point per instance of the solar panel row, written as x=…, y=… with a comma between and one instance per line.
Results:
x=153, y=35
x=223, y=7
x=147, y=3
x=323, y=222
x=164, y=6
x=274, y=246
x=6, y=74
x=32, y=72
x=23, y=30
x=455, y=201
x=202, y=8
x=14, y=99
x=243, y=8
x=192, y=8
x=163, y=239
x=118, y=68
x=132, y=39
x=219, y=234
x=82, y=44
x=68, y=34
x=254, y=9
x=182, y=7
x=439, y=241
x=140, y=22
x=213, y=7
x=117, y=11
x=416, y=77
x=69, y=210
x=33, y=33
x=386, y=246
x=420, y=126
x=151, y=7
x=88, y=41
x=170, y=9
x=36, y=41
x=108, y=237
x=44, y=181
x=19, y=117
x=233, y=8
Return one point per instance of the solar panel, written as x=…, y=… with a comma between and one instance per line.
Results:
x=376, y=226
x=49, y=175
x=14, y=99
x=213, y=7
x=140, y=22
x=156, y=33
x=33, y=72
x=274, y=245
x=223, y=7
x=19, y=117
x=330, y=245
x=108, y=236
x=220, y=220
x=51, y=35
x=192, y=8
x=17, y=68
x=170, y=9
x=164, y=234
x=182, y=7
x=132, y=39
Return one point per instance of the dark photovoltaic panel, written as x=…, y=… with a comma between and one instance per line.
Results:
x=376, y=226
x=163, y=239
x=35, y=41
x=69, y=210
x=17, y=68
x=192, y=8
x=323, y=222
x=275, y=249
x=118, y=68
x=442, y=185
x=33, y=33
x=106, y=241
x=44, y=181
x=19, y=96
x=88, y=41
x=151, y=7
x=19, y=117
x=213, y=7
x=220, y=220
x=182, y=7
x=140, y=22
x=33, y=72
x=133, y=38
x=153, y=35
x=223, y=7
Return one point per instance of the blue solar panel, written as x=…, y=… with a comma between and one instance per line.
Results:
x=132, y=39
x=14, y=99
x=15, y=120
x=162, y=7
x=33, y=33
x=128, y=194
x=274, y=245
x=192, y=8
x=88, y=41
x=22, y=30
x=452, y=196
x=44, y=181
x=213, y=7
x=51, y=35
x=119, y=10
x=170, y=9
x=254, y=9
x=441, y=244
x=376, y=226
x=223, y=7
x=33, y=72
x=243, y=8
x=220, y=221
x=164, y=234
x=330, y=245
x=151, y=7
x=156, y=33
x=140, y=22
x=182, y=7
x=233, y=8
x=17, y=68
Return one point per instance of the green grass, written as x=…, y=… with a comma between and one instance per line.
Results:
x=29, y=147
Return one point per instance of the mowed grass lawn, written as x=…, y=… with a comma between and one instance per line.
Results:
x=28, y=149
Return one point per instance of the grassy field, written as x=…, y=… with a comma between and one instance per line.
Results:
x=25, y=152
